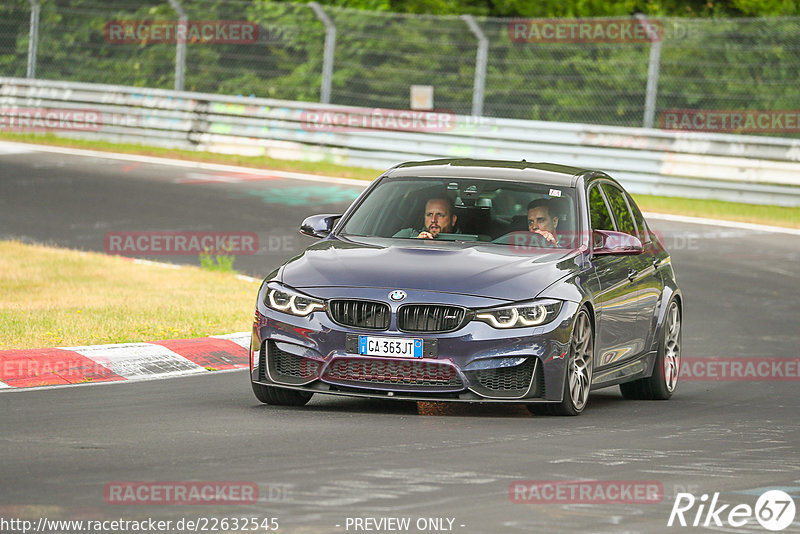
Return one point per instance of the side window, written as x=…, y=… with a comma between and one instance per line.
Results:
x=622, y=215
x=598, y=211
x=644, y=233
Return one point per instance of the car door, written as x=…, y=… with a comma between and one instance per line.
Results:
x=615, y=307
x=645, y=283
x=650, y=284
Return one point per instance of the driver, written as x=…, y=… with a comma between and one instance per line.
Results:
x=439, y=219
x=541, y=221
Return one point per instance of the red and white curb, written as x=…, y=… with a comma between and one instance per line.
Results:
x=126, y=361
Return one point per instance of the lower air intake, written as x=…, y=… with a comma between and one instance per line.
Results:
x=289, y=368
x=514, y=381
x=412, y=374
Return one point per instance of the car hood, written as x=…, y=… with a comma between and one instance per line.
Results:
x=469, y=269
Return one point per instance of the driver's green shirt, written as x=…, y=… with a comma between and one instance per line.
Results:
x=413, y=232
x=407, y=232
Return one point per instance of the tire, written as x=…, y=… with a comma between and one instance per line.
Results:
x=279, y=396
x=661, y=385
x=578, y=375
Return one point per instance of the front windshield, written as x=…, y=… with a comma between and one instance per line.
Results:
x=468, y=209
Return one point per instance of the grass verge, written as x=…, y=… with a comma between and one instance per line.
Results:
x=715, y=209
x=56, y=297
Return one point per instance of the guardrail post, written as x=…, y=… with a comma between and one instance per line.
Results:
x=652, y=70
x=33, y=39
x=481, y=59
x=327, y=57
x=180, y=50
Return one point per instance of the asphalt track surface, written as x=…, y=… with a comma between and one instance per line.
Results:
x=321, y=466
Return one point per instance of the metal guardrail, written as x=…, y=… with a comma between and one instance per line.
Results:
x=759, y=170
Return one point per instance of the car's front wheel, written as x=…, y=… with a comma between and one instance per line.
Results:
x=280, y=396
x=664, y=379
x=578, y=377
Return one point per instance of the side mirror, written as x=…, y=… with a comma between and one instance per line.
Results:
x=318, y=225
x=606, y=242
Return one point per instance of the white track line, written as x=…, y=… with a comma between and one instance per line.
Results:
x=135, y=361
x=727, y=224
x=193, y=164
x=140, y=261
x=343, y=181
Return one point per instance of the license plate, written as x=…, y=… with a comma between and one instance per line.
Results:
x=398, y=347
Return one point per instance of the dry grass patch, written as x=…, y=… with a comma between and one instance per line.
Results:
x=55, y=297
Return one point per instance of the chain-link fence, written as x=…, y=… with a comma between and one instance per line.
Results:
x=614, y=71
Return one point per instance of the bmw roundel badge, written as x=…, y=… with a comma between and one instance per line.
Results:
x=397, y=295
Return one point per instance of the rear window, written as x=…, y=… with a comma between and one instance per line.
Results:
x=619, y=209
x=598, y=211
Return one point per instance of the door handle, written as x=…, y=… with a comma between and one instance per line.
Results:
x=632, y=274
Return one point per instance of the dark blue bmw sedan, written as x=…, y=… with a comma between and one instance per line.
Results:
x=474, y=281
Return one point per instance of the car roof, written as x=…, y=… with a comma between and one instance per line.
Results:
x=518, y=171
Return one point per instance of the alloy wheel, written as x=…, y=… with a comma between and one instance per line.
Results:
x=672, y=347
x=580, y=366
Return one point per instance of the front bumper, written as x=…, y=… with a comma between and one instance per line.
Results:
x=477, y=363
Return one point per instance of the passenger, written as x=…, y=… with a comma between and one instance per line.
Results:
x=438, y=219
x=541, y=221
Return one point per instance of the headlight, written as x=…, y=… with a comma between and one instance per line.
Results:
x=283, y=299
x=521, y=315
